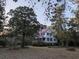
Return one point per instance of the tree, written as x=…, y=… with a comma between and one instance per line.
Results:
x=58, y=22
x=57, y=19
x=17, y=0
x=24, y=22
x=75, y=27
x=2, y=4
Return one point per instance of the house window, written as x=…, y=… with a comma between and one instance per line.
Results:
x=43, y=39
x=50, y=39
x=47, y=39
x=47, y=33
x=54, y=39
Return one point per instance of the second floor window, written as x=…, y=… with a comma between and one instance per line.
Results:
x=43, y=39
x=47, y=39
x=50, y=39
x=47, y=33
x=54, y=39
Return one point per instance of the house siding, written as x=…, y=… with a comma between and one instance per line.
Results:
x=46, y=36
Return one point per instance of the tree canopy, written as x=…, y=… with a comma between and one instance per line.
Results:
x=24, y=22
x=2, y=4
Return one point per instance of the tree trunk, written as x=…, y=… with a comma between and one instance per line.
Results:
x=62, y=43
x=67, y=43
x=23, y=34
x=23, y=40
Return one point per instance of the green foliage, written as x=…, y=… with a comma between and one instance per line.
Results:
x=3, y=43
x=75, y=27
x=58, y=20
x=15, y=0
x=1, y=14
x=25, y=0
x=24, y=21
x=61, y=34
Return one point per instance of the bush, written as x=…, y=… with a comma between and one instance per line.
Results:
x=71, y=49
x=3, y=43
x=41, y=44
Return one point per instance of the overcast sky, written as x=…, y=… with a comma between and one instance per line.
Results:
x=39, y=9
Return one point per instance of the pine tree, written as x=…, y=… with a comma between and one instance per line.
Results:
x=24, y=22
x=2, y=11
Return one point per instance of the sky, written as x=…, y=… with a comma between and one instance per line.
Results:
x=39, y=9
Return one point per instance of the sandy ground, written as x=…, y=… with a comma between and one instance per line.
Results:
x=39, y=53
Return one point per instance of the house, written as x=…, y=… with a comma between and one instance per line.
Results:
x=46, y=36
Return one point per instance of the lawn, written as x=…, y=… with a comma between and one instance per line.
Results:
x=39, y=53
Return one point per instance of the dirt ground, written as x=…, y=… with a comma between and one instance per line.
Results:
x=39, y=53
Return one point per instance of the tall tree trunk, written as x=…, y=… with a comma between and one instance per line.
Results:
x=67, y=43
x=23, y=34
x=23, y=40
x=62, y=43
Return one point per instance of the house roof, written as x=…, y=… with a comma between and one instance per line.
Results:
x=43, y=30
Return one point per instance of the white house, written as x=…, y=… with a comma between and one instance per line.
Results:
x=47, y=36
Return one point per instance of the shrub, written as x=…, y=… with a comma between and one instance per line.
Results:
x=3, y=43
x=71, y=49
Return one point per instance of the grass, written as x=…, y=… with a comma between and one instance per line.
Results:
x=39, y=53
